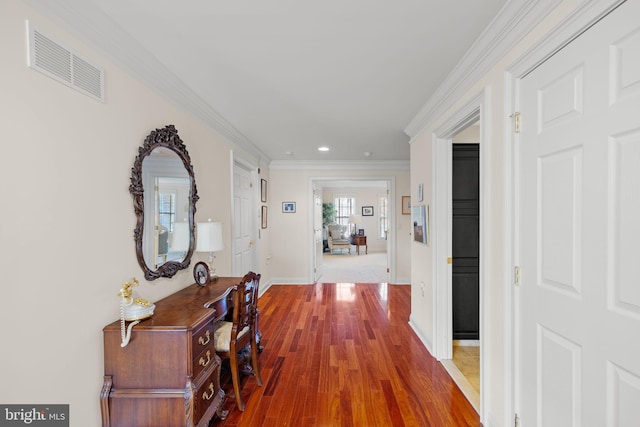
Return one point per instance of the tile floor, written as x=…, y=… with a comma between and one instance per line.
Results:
x=467, y=360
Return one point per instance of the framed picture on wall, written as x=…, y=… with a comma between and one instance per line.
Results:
x=289, y=207
x=420, y=224
x=367, y=211
x=406, y=205
x=263, y=190
x=263, y=223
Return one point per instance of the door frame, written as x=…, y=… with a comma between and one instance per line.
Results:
x=391, y=236
x=474, y=111
x=584, y=17
x=239, y=162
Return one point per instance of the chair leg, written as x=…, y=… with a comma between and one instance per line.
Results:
x=235, y=378
x=254, y=362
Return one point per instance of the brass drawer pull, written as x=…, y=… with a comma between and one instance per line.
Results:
x=208, y=396
x=201, y=340
x=202, y=361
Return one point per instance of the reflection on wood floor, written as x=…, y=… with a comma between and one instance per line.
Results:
x=344, y=355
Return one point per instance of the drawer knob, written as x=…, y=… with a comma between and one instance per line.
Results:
x=203, y=362
x=208, y=396
x=201, y=340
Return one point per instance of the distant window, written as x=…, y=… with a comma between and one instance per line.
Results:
x=345, y=207
x=167, y=210
x=383, y=220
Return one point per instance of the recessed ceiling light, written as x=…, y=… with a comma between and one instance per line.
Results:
x=289, y=153
x=367, y=153
x=323, y=148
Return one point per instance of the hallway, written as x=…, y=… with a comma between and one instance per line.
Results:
x=344, y=355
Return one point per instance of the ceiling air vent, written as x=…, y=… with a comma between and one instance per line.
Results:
x=61, y=64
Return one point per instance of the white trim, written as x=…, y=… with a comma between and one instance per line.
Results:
x=568, y=30
x=511, y=24
x=475, y=109
x=339, y=165
x=421, y=335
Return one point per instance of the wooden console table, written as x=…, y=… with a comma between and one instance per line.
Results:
x=169, y=373
x=360, y=241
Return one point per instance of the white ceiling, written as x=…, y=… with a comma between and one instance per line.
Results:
x=287, y=76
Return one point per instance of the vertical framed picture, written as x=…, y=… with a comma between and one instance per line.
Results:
x=263, y=190
x=406, y=205
x=289, y=207
x=420, y=224
x=263, y=223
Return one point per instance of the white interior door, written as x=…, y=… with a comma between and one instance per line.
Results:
x=317, y=233
x=579, y=214
x=243, y=222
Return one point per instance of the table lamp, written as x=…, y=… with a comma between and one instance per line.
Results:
x=355, y=219
x=210, y=240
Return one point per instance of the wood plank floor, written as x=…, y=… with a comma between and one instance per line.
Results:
x=344, y=355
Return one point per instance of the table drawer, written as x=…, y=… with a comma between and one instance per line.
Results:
x=204, y=359
x=202, y=337
x=207, y=392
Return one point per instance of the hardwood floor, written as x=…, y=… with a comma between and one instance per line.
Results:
x=344, y=355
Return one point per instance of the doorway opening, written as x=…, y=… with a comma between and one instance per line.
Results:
x=465, y=267
x=366, y=219
x=467, y=129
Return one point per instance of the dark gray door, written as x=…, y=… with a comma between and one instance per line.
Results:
x=466, y=242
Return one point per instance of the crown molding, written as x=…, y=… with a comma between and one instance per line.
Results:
x=339, y=165
x=91, y=25
x=511, y=24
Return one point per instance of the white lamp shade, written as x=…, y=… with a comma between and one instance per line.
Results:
x=355, y=219
x=209, y=237
x=180, y=238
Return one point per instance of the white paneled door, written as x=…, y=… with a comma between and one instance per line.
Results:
x=243, y=226
x=578, y=340
x=318, y=245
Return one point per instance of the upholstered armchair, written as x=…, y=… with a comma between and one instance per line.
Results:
x=338, y=237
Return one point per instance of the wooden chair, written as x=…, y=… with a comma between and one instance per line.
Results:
x=232, y=337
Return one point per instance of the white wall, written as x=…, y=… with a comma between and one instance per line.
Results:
x=423, y=307
x=67, y=220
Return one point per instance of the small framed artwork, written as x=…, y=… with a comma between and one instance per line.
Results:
x=367, y=211
x=201, y=274
x=263, y=223
x=289, y=207
x=263, y=190
x=361, y=232
x=406, y=205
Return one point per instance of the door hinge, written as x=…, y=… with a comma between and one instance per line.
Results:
x=516, y=421
x=516, y=275
x=516, y=122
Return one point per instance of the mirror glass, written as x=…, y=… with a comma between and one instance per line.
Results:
x=164, y=192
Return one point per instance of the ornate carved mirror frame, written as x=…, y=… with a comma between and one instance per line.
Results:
x=168, y=138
